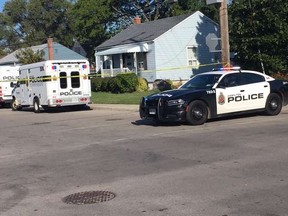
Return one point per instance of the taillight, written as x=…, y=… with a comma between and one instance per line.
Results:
x=83, y=99
x=58, y=101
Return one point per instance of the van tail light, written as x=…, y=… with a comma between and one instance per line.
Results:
x=58, y=101
x=83, y=99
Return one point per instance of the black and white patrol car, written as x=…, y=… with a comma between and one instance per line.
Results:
x=216, y=94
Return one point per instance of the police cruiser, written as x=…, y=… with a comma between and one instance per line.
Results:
x=52, y=83
x=215, y=94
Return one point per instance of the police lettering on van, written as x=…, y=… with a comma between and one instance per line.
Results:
x=70, y=93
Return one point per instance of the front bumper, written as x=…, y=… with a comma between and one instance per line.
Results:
x=158, y=109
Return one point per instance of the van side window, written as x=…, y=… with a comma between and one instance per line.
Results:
x=75, y=79
x=63, y=80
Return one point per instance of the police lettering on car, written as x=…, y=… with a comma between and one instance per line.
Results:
x=217, y=93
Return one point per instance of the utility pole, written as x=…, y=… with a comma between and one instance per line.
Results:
x=225, y=47
x=224, y=30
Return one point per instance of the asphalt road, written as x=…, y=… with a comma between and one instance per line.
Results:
x=230, y=167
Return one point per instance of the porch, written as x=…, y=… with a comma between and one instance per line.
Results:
x=125, y=59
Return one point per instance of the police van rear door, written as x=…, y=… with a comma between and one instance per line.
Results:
x=71, y=75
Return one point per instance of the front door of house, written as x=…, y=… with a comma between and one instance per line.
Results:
x=128, y=61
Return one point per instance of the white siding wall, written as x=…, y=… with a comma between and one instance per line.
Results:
x=170, y=48
x=150, y=74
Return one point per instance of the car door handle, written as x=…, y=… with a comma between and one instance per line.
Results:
x=242, y=90
x=265, y=86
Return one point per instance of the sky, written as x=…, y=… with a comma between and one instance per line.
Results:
x=2, y=2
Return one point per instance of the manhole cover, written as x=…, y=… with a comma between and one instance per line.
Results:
x=89, y=197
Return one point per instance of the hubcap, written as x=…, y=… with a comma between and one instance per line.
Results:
x=274, y=104
x=197, y=113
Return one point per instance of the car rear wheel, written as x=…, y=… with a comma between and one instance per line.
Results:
x=197, y=113
x=36, y=105
x=273, y=104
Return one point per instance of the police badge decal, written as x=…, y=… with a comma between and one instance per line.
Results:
x=221, y=99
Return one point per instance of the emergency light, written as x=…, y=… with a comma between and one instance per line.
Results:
x=227, y=69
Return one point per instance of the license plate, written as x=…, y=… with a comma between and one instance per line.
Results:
x=152, y=111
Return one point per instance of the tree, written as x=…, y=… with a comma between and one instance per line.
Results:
x=28, y=56
x=91, y=22
x=259, y=34
x=27, y=23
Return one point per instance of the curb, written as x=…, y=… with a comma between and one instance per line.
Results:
x=124, y=107
x=132, y=107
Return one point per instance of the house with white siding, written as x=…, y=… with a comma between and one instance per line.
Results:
x=172, y=48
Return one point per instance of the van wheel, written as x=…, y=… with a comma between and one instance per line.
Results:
x=273, y=104
x=36, y=105
x=197, y=113
x=14, y=105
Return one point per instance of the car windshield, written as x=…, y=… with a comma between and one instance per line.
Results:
x=202, y=81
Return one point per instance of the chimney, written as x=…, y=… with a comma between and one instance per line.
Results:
x=50, y=49
x=137, y=20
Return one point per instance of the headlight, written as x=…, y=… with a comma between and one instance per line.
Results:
x=175, y=102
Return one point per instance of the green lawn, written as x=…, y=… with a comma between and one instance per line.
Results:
x=126, y=98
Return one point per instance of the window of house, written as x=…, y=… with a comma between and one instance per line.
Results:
x=192, y=56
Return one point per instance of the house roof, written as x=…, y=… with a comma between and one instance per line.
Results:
x=60, y=53
x=143, y=32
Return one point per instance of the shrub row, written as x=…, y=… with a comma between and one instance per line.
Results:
x=129, y=82
x=122, y=83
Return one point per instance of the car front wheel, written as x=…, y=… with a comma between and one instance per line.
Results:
x=273, y=104
x=14, y=105
x=197, y=113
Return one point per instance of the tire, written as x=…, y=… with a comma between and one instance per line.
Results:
x=273, y=104
x=14, y=105
x=36, y=105
x=197, y=113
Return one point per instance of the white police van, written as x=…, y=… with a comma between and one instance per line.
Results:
x=8, y=78
x=52, y=83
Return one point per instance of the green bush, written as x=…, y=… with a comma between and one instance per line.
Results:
x=142, y=85
x=126, y=83
x=176, y=85
x=96, y=83
x=112, y=86
x=105, y=84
